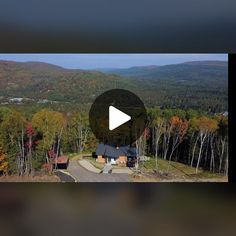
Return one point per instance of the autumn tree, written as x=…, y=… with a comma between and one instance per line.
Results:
x=4, y=112
x=193, y=131
x=213, y=126
x=158, y=130
x=179, y=129
x=141, y=145
x=206, y=126
x=50, y=125
x=166, y=138
x=222, y=141
x=80, y=130
x=30, y=132
x=12, y=133
x=3, y=163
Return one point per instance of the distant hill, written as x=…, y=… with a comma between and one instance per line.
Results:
x=31, y=65
x=188, y=70
x=38, y=80
x=208, y=63
x=200, y=85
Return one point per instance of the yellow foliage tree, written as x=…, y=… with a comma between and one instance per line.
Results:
x=206, y=127
x=3, y=163
x=50, y=124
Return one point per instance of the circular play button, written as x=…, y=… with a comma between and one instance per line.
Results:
x=118, y=117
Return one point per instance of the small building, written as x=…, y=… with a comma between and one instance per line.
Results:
x=225, y=113
x=61, y=162
x=16, y=100
x=116, y=155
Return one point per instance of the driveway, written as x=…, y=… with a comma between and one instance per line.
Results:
x=83, y=175
x=64, y=177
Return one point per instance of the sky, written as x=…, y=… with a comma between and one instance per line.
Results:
x=96, y=61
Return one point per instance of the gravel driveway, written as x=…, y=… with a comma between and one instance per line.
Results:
x=83, y=175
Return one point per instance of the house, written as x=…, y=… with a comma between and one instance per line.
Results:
x=225, y=113
x=115, y=155
x=16, y=100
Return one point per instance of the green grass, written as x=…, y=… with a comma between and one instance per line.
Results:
x=92, y=160
x=87, y=156
x=177, y=169
x=72, y=155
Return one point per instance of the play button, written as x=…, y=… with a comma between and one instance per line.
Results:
x=117, y=117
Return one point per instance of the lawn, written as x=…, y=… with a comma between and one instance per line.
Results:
x=177, y=171
x=92, y=160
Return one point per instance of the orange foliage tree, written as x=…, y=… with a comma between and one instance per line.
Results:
x=3, y=163
x=179, y=129
x=206, y=126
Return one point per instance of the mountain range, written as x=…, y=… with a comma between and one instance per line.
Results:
x=200, y=85
x=185, y=70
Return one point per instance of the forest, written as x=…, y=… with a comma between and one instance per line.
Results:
x=202, y=86
x=44, y=113
x=29, y=143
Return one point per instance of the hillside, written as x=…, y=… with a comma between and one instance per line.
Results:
x=189, y=70
x=200, y=85
x=36, y=80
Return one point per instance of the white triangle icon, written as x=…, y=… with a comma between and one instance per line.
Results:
x=117, y=118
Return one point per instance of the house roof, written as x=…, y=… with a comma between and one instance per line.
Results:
x=112, y=151
x=61, y=160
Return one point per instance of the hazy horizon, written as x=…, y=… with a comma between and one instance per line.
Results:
x=101, y=61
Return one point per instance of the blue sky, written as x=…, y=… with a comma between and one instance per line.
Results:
x=93, y=61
